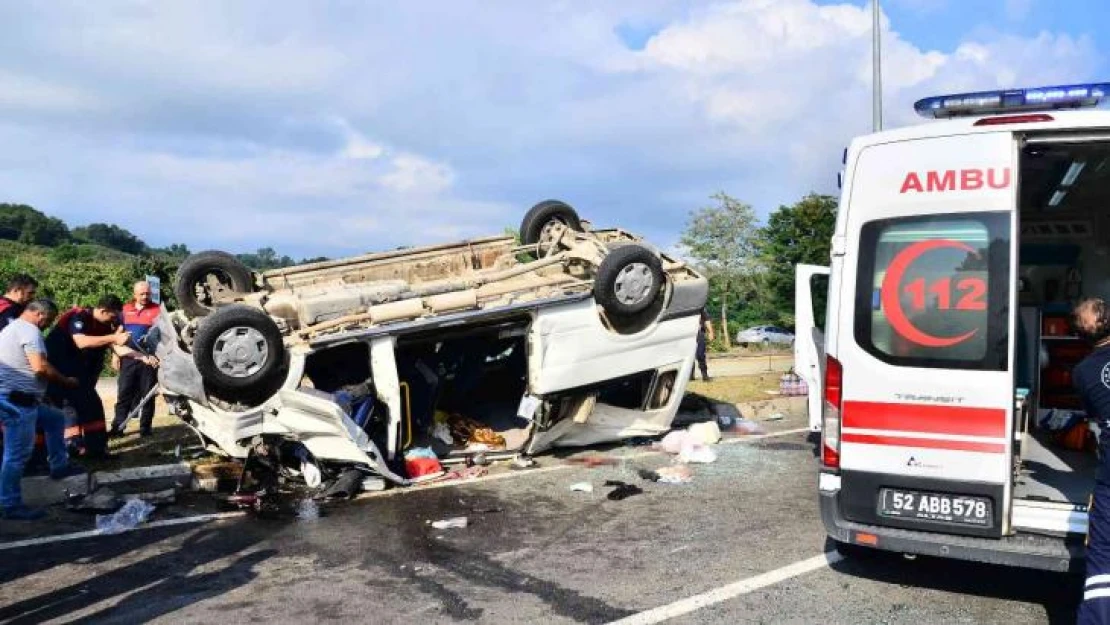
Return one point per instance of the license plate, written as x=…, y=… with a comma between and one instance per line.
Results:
x=936, y=507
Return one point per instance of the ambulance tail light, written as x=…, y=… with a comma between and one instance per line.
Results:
x=830, y=429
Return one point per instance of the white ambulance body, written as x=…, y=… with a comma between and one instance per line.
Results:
x=935, y=368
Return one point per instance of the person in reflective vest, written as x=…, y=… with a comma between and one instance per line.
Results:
x=1091, y=377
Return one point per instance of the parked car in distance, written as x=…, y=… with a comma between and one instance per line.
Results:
x=765, y=335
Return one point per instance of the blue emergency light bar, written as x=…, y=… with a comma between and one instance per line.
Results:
x=1013, y=100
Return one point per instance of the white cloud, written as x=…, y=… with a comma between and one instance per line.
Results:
x=355, y=127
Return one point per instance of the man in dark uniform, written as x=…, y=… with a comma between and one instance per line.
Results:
x=136, y=377
x=705, y=334
x=77, y=346
x=1091, y=377
x=20, y=291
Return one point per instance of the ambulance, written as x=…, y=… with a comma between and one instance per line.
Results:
x=941, y=376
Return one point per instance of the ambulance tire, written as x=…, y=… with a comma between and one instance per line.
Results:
x=194, y=271
x=629, y=281
x=239, y=353
x=540, y=218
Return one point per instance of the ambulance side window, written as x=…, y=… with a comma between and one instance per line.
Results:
x=933, y=291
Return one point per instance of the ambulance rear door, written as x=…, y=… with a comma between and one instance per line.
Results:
x=923, y=346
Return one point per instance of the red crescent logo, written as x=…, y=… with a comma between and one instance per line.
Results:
x=892, y=306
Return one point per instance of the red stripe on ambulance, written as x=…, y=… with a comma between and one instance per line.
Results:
x=926, y=443
x=924, y=418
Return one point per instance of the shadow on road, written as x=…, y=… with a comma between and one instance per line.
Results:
x=147, y=588
x=1058, y=593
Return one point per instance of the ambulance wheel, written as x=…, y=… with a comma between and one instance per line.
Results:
x=540, y=222
x=195, y=292
x=629, y=280
x=239, y=353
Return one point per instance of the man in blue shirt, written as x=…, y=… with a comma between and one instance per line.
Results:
x=1091, y=377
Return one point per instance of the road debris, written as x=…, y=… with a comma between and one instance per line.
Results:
x=622, y=491
x=582, y=487
x=697, y=454
x=458, y=522
x=133, y=513
x=522, y=462
x=746, y=426
x=778, y=416
x=307, y=510
x=677, y=474
x=595, y=461
x=707, y=433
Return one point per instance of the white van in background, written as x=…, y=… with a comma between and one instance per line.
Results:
x=959, y=248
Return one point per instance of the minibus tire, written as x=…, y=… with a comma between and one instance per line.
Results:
x=545, y=214
x=195, y=268
x=629, y=280
x=239, y=353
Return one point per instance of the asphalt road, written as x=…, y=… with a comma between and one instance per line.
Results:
x=534, y=551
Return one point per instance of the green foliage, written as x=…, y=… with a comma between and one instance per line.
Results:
x=265, y=258
x=111, y=236
x=721, y=238
x=797, y=234
x=19, y=222
x=177, y=251
x=751, y=269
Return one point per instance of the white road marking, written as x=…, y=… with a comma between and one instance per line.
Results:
x=731, y=591
x=203, y=518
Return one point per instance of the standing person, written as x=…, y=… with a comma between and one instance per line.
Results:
x=1091, y=377
x=136, y=377
x=705, y=334
x=77, y=347
x=24, y=373
x=20, y=290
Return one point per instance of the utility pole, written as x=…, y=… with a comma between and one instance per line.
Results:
x=876, y=68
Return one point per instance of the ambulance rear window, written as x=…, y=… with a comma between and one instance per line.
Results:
x=932, y=291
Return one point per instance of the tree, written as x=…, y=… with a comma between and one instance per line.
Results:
x=264, y=259
x=19, y=222
x=797, y=234
x=111, y=236
x=177, y=250
x=721, y=239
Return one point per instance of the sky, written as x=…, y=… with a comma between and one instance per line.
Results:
x=338, y=127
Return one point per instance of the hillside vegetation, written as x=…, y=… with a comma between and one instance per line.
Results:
x=77, y=266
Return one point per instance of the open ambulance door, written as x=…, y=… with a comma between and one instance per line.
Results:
x=809, y=341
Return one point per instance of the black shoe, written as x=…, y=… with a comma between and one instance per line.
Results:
x=114, y=433
x=146, y=433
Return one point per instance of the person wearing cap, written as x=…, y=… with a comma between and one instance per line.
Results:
x=137, y=376
x=77, y=347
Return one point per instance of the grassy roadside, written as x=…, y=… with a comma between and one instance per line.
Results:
x=737, y=389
